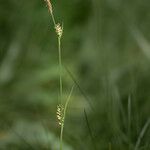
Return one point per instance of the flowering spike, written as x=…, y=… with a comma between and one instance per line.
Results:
x=59, y=30
x=60, y=114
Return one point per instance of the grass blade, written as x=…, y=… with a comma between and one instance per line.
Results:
x=79, y=87
x=89, y=129
x=142, y=134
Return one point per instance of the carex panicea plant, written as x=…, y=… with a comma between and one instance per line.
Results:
x=61, y=109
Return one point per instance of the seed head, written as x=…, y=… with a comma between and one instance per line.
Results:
x=59, y=30
x=60, y=114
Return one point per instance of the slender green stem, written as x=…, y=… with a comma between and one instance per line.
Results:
x=60, y=68
x=60, y=83
x=53, y=18
x=129, y=122
x=60, y=77
x=60, y=60
x=64, y=114
x=61, y=136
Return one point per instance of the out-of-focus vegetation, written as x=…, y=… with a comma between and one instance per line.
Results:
x=107, y=50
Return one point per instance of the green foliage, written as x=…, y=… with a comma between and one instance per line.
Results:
x=105, y=46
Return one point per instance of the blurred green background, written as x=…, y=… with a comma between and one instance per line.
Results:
x=106, y=48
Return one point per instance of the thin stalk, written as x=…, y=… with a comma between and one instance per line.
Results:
x=64, y=115
x=53, y=18
x=60, y=69
x=129, y=122
x=60, y=60
x=59, y=32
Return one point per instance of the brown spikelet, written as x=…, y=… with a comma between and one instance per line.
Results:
x=49, y=5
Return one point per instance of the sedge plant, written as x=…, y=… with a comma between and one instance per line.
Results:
x=61, y=110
